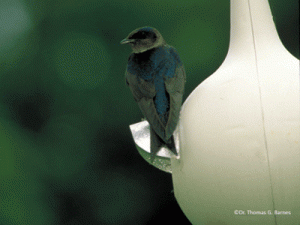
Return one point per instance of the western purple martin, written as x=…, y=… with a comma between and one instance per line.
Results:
x=156, y=78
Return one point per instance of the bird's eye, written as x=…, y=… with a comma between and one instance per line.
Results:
x=143, y=35
x=140, y=35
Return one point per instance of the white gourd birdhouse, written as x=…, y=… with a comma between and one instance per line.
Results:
x=239, y=131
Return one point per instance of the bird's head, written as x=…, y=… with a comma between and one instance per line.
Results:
x=143, y=39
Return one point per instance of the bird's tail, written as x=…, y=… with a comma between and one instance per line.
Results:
x=171, y=145
x=156, y=143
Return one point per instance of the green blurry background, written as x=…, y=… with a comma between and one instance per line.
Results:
x=66, y=151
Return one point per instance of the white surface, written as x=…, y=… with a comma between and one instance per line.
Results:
x=141, y=135
x=239, y=130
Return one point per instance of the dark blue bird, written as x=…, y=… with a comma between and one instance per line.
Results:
x=156, y=78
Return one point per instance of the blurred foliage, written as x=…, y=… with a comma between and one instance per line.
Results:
x=66, y=152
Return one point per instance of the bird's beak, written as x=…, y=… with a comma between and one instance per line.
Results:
x=126, y=41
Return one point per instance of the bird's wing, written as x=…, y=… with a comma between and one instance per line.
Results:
x=144, y=93
x=175, y=88
x=139, y=87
